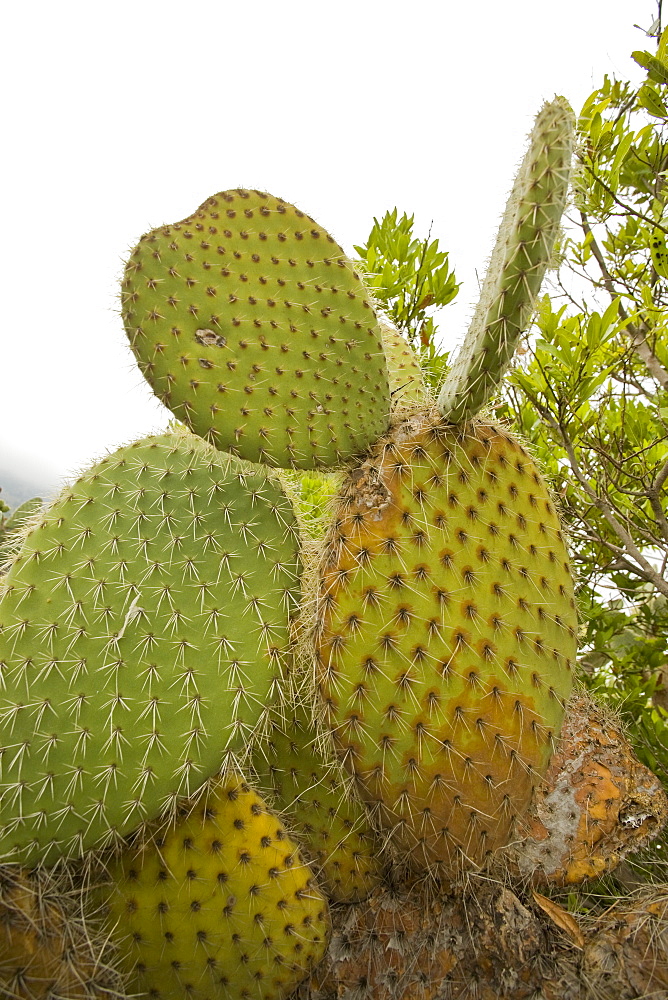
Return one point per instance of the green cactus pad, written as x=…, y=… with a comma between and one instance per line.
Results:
x=448, y=636
x=141, y=630
x=309, y=788
x=253, y=327
x=221, y=907
x=406, y=380
x=522, y=252
x=12, y=527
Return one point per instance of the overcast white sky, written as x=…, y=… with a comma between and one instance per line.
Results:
x=121, y=117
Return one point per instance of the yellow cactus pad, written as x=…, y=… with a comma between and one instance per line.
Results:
x=448, y=636
x=221, y=907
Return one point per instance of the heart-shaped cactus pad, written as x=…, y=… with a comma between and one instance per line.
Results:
x=252, y=326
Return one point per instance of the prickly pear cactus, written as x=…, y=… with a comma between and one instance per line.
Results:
x=448, y=636
x=297, y=765
x=141, y=630
x=407, y=385
x=144, y=620
x=220, y=906
x=252, y=326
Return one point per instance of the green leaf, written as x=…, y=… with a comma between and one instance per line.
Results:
x=649, y=99
x=409, y=277
x=657, y=69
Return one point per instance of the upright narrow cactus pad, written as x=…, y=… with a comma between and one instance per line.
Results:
x=141, y=628
x=220, y=908
x=309, y=788
x=522, y=252
x=448, y=636
x=252, y=326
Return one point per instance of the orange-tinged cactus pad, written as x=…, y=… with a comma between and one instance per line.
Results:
x=448, y=636
x=253, y=327
x=220, y=906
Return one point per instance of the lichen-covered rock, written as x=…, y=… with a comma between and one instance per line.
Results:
x=596, y=804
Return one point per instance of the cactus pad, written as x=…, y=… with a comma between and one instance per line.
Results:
x=406, y=381
x=448, y=636
x=219, y=908
x=141, y=629
x=309, y=788
x=253, y=327
x=520, y=258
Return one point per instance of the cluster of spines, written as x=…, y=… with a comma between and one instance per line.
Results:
x=50, y=945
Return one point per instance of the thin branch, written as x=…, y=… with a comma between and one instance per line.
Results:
x=646, y=569
x=628, y=210
x=637, y=334
x=653, y=494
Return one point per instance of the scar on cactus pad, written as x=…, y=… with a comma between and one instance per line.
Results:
x=142, y=626
x=252, y=326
